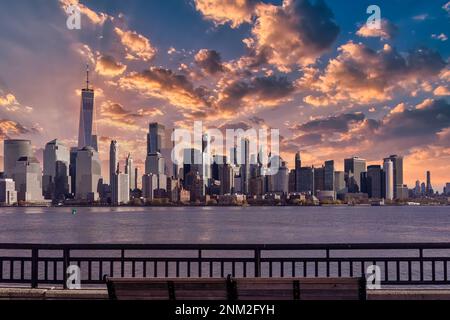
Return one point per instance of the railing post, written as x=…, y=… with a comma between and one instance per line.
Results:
x=66, y=262
x=258, y=263
x=421, y=263
x=34, y=267
x=328, y=262
x=200, y=263
x=122, y=262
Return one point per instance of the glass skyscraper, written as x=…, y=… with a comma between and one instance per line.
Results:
x=87, y=135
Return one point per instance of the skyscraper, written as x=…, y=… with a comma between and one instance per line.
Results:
x=129, y=169
x=149, y=185
x=192, y=163
x=222, y=171
x=113, y=164
x=28, y=177
x=429, y=188
x=388, y=168
x=136, y=175
x=244, y=162
x=329, y=175
x=298, y=166
x=87, y=135
x=374, y=182
x=73, y=170
x=339, y=182
x=121, y=193
x=417, y=188
x=62, y=180
x=307, y=179
x=154, y=163
x=319, y=179
x=88, y=172
x=55, y=152
x=280, y=181
x=8, y=193
x=12, y=151
x=156, y=138
x=397, y=162
x=353, y=168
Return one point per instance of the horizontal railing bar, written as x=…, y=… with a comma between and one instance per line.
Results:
x=359, y=259
x=231, y=259
x=349, y=246
x=127, y=253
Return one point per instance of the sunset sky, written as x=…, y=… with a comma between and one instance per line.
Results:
x=312, y=69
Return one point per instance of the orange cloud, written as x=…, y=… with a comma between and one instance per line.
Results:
x=209, y=61
x=136, y=45
x=362, y=75
x=94, y=17
x=114, y=114
x=220, y=12
x=10, y=128
x=387, y=30
x=296, y=33
x=165, y=84
x=108, y=66
x=441, y=91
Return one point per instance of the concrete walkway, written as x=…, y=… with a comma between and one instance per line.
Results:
x=52, y=294
x=101, y=294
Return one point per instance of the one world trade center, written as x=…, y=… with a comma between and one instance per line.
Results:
x=87, y=135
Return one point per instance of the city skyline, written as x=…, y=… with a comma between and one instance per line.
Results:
x=145, y=72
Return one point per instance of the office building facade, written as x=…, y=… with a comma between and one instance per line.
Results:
x=12, y=151
x=88, y=175
x=56, y=168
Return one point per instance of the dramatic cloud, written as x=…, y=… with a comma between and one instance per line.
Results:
x=220, y=12
x=339, y=123
x=401, y=130
x=97, y=18
x=441, y=91
x=9, y=103
x=8, y=100
x=10, y=128
x=114, y=114
x=418, y=125
x=360, y=74
x=209, y=61
x=136, y=45
x=108, y=66
x=387, y=31
x=236, y=95
x=296, y=33
x=165, y=84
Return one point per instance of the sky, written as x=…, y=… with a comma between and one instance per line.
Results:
x=312, y=69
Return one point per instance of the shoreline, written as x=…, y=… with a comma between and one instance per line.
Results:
x=224, y=206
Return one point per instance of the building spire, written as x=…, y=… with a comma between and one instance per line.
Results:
x=87, y=76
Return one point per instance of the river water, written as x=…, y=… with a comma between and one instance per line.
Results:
x=227, y=225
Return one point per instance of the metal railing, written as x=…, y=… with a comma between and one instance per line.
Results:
x=400, y=264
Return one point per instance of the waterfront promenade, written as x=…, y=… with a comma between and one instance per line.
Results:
x=37, y=271
x=102, y=294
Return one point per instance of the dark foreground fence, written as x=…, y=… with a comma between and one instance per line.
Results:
x=400, y=264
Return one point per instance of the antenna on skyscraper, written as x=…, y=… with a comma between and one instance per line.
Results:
x=87, y=76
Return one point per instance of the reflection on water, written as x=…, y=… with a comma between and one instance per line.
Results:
x=225, y=225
